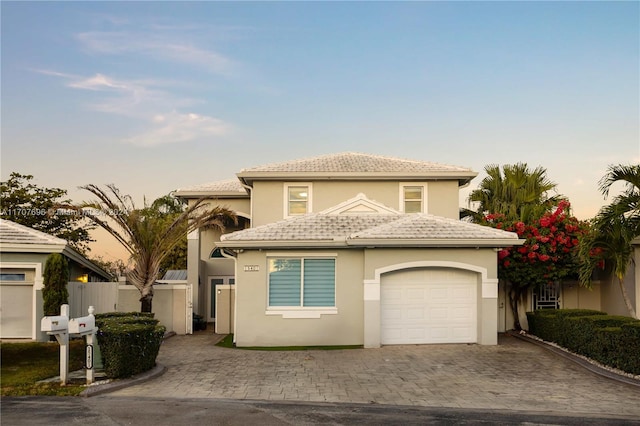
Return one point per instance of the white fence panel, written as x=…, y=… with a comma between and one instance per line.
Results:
x=102, y=296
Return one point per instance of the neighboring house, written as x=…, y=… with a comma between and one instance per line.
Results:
x=23, y=254
x=347, y=249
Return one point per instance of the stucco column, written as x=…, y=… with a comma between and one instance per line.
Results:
x=487, y=333
x=193, y=266
x=371, y=314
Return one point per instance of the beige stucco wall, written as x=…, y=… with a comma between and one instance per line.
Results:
x=358, y=319
x=443, y=199
x=255, y=328
x=169, y=304
x=612, y=301
x=225, y=304
x=269, y=197
x=575, y=296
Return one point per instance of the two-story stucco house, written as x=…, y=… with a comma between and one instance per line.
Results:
x=348, y=249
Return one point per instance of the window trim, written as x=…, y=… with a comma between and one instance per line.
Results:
x=423, y=200
x=302, y=311
x=286, y=200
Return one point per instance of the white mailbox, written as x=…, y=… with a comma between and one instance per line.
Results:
x=82, y=324
x=58, y=323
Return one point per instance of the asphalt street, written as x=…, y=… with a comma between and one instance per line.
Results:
x=141, y=411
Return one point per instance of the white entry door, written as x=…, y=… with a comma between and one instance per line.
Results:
x=211, y=293
x=429, y=305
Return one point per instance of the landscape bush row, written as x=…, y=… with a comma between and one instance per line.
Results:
x=609, y=339
x=129, y=342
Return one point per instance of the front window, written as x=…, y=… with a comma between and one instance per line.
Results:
x=8, y=276
x=299, y=282
x=298, y=200
x=412, y=196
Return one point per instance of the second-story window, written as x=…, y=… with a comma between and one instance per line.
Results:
x=413, y=199
x=298, y=199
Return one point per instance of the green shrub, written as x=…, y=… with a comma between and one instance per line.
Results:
x=605, y=346
x=630, y=347
x=108, y=315
x=579, y=332
x=129, y=344
x=609, y=339
x=55, y=279
x=551, y=324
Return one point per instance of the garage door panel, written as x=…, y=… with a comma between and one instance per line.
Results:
x=416, y=294
x=392, y=314
x=436, y=314
x=462, y=332
x=429, y=306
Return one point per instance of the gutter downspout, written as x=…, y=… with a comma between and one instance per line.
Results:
x=235, y=286
x=250, y=190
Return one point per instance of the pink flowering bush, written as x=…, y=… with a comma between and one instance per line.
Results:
x=548, y=254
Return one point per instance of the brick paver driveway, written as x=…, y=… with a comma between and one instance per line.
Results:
x=514, y=375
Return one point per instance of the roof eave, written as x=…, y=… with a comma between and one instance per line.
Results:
x=372, y=242
x=259, y=244
x=31, y=248
x=210, y=194
x=463, y=177
x=435, y=242
x=77, y=257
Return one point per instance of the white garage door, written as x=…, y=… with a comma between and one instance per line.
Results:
x=430, y=305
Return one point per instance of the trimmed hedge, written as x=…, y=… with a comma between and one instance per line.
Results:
x=129, y=342
x=609, y=339
x=550, y=324
x=108, y=315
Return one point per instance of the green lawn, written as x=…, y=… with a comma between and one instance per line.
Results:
x=24, y=364
x=227, y=342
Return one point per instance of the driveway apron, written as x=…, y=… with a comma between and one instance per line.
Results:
x=514, y=375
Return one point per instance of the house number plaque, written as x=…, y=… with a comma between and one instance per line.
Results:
x=251, y=268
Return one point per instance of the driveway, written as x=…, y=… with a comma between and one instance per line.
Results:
x=514, y=375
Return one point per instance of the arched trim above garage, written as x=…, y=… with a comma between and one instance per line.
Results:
x=489, y=285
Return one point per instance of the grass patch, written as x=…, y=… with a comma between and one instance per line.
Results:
x=227, y=342
x=24, y=364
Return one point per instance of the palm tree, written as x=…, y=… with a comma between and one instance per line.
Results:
x=626, y=204
x=516, y=192
x=615, y=226
x=150, y=233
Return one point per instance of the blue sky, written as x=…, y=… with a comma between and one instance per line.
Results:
x=153, y=96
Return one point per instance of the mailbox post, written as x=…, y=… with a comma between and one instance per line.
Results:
x=61, y=327
x=58, y=326
x=86, y=326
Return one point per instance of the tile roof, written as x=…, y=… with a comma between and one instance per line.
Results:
x=426, y=226
x=14, y=233
x=227, y=185
x=313, y=226
x=362, y=229
x=354, y=162
x=175, y=275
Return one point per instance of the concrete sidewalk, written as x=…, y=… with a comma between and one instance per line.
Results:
x=515, y=375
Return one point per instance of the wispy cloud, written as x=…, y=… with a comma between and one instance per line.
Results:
x=175, y=128
x=165, y=110
x=157, y=45
x=146, y=100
